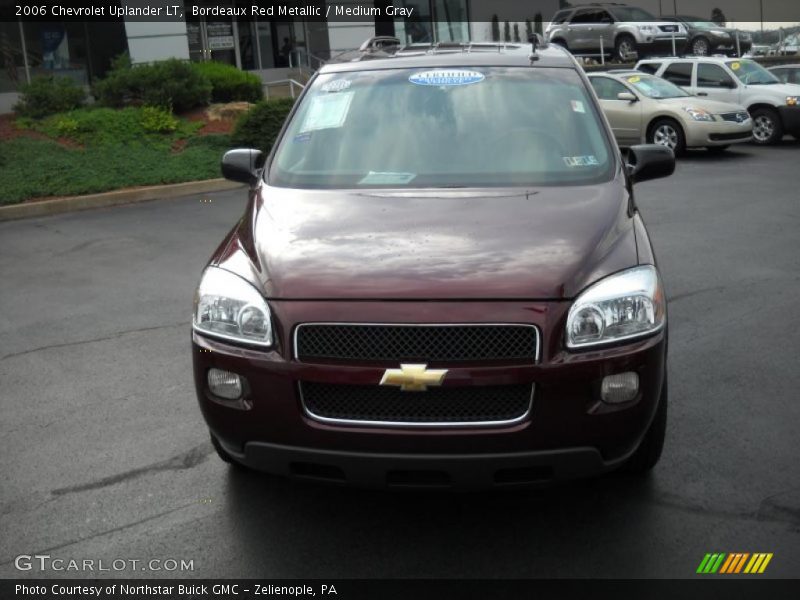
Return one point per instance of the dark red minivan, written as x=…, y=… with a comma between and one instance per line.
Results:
x=441, y=279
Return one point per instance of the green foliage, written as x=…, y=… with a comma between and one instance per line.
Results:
x=34, y=168
x=229, y=84
x=158, y=120
x=260, y=127
x=170, y=84
x=49, y=95
x=107, y=126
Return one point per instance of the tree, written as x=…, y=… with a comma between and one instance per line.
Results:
x=718, y=17
x=507, y=32
x=564, y=4
x=538, y=27
x=528, y=29
x=495, y=29
x=516, y=32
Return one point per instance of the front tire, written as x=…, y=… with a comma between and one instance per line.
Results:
x=667, y=132
x=649, y=451
x=767, y=127
x=624, y=48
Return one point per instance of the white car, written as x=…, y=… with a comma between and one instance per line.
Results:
x=774, y=106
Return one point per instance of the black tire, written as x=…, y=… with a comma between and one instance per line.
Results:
x=667, y=132
x=649, y=451
x=767, y=126
x=717, y=149
x=701, y=46
x=623, y=47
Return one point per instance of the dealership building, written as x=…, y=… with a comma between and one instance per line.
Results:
x=276, y=50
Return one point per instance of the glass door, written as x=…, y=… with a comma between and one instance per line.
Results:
x=211, y=40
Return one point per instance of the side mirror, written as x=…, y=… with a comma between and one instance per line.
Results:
x=242, y=165
x=627, y=97
x=650, y=161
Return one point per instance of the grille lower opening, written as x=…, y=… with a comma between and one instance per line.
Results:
x=441, y=405
x=316, y=471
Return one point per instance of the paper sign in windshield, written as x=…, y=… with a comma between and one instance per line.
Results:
x=337, y=85
x=386, y=178
x=581, y=161
x=327, y=112
x=446, y=77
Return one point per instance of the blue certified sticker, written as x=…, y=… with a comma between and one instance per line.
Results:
x=446, y=77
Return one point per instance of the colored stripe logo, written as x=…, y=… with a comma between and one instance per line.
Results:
x=734, y=563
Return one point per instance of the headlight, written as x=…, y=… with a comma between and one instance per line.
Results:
x=792, y=100
x=624, y=306
x=647, y=28
x=227, y=307
x=698, y=114
x=719, y=33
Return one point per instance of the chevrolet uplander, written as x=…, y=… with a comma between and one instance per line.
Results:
x=441, y=279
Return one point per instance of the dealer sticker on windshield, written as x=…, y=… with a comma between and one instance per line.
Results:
x=446, y=77
x=581, y=161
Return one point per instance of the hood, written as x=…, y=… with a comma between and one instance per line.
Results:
x=543, y=243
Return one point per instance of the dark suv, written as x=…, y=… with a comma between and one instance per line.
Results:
x=441, y=279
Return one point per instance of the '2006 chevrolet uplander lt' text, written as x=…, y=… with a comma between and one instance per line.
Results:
x=441, y=279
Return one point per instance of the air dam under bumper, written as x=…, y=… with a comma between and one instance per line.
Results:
x=461, y=471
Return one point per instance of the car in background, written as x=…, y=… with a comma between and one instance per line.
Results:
x=788, y=47
x=462, y=295
x=773, y=105
x=647, y=109
x=787, y=73
x=626, y=32
x=707, y=38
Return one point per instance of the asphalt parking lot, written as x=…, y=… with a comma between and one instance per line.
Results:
x=104, y=454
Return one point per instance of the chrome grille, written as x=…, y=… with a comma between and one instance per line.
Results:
x=444, y=406
x=736, y=117
x=421, y=343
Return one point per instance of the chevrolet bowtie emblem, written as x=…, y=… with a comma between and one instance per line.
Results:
x=413, y=378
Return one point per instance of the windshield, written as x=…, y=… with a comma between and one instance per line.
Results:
x=655, y=87
x=457, y=127
x=751, y=73
x=629, y=13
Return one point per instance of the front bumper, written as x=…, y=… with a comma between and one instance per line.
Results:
x=719, y=133
x=568, y=433
x=790, y=117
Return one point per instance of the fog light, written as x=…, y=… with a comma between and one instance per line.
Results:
x=225, y=384
x=620, y=388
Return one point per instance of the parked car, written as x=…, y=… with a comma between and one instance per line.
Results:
x=626, y=32
x=774, y=106
x=707, y=37
x=787, y=73
x=647, y=109
x=462, y=295
x=789, y=46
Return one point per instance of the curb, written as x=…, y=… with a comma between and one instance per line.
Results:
x=129, y=196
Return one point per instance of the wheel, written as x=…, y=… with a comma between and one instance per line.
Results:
x=701, y=47
x=717, y=149
x=649, y=451
x=666, y=132
x=624, y=48
x=767, y=126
